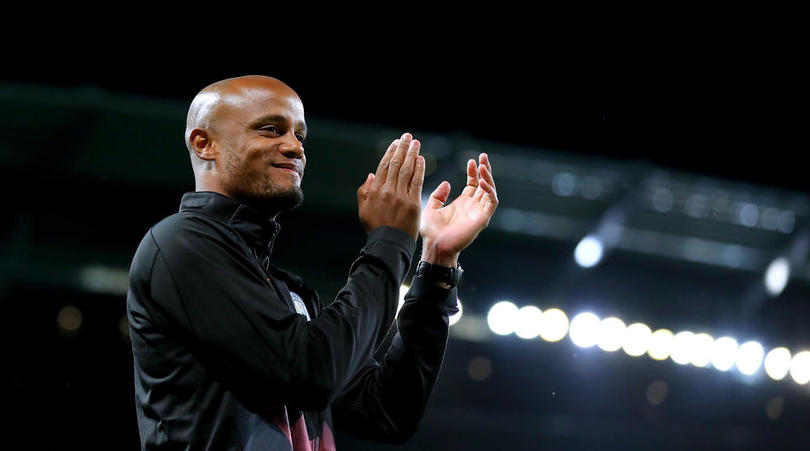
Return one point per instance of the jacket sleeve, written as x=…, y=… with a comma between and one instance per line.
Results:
x=386, y=401
x=218, y=299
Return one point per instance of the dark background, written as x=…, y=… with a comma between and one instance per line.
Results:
x=730, y=107
x=727, y=110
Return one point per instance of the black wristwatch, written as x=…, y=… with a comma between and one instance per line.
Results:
x=450, y=276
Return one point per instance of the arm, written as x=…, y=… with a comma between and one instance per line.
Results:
x=386, y=402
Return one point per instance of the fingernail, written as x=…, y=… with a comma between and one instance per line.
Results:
x=406, y=135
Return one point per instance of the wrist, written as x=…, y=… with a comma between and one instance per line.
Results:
x=442, y=276
x=433, y=255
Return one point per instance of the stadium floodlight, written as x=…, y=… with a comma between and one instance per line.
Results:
x=528, y=322
x=583, y=330
x=637, y=339
x=724, y=353
x=682, y=346
x=800, y=367
x=749, y=357
x=589, y=251
x=701, y=349
x=661, y=344
x=611, y=334
x=777, y=363
x=554, y=325
x=502, y=318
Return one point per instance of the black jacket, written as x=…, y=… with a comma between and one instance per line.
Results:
x=224, y=361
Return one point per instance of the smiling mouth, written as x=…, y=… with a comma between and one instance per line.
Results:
x=288, y=168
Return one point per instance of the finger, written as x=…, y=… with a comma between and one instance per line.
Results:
x=418, y=179
x=486, y=174
x=382, y=168
x=484, y=159
x=483, y=188
x=368, y=182
x=407, y=171
x=472, y=173
x=439, y=196
x=397, y=159
x=472, y=179
x=490, y=201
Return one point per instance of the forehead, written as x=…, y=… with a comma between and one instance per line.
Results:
x=250, y=103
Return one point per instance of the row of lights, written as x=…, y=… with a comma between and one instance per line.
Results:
x=611, y=334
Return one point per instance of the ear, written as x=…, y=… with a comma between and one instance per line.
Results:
x=201, y=143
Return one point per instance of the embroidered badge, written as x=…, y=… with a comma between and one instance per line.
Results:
x=300, y=307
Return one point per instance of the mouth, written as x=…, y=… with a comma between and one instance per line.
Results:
x=288, y=167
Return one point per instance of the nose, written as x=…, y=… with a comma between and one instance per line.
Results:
x=292, y=147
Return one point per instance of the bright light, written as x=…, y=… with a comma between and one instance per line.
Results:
x=611, y=334
x=637, y=339
x=682, y=347
x=588, y=252
x=403, y=290
x=502, y=318
x=749, y=357
x=553, y=325
x=701, y=350
x=777, y=275
x=528, y=322
x=724, y=353
x=457, y=316
x=584, y=328
x=660, y=344
x=777, y=363
x=800, y=367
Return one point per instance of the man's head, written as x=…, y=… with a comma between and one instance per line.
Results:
x=245, y=139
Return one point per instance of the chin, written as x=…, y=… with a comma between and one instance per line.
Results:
x=279, y=201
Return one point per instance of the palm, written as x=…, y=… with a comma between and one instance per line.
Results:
x=454, y=226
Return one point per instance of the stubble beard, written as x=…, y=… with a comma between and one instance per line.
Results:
x=259, y=190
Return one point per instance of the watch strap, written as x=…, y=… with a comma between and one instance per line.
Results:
x=437, y=273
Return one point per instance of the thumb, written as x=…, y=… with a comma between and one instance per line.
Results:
x=363, y=190
x=439, y=196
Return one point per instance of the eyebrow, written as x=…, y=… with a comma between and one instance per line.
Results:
x=275, y=118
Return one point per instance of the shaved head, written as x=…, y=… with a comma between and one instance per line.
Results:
x=245, y=138
x=226, y=94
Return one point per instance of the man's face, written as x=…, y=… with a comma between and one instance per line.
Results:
x=260, y=131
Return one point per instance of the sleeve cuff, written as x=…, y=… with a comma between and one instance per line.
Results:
x=394, y=236
x=426, y=291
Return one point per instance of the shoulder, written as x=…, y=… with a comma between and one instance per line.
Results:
x=186, y=232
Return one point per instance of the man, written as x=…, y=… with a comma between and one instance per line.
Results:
x=232, y=352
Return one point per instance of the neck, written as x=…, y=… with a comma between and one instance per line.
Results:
x=266, y=210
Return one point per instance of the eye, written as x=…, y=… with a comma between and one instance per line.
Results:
x=300, y=136
x=270, y=128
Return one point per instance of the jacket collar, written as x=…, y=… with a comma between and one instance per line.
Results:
x=258, y=231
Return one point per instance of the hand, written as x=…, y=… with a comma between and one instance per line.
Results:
x=393, y=196
x=448, y=230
